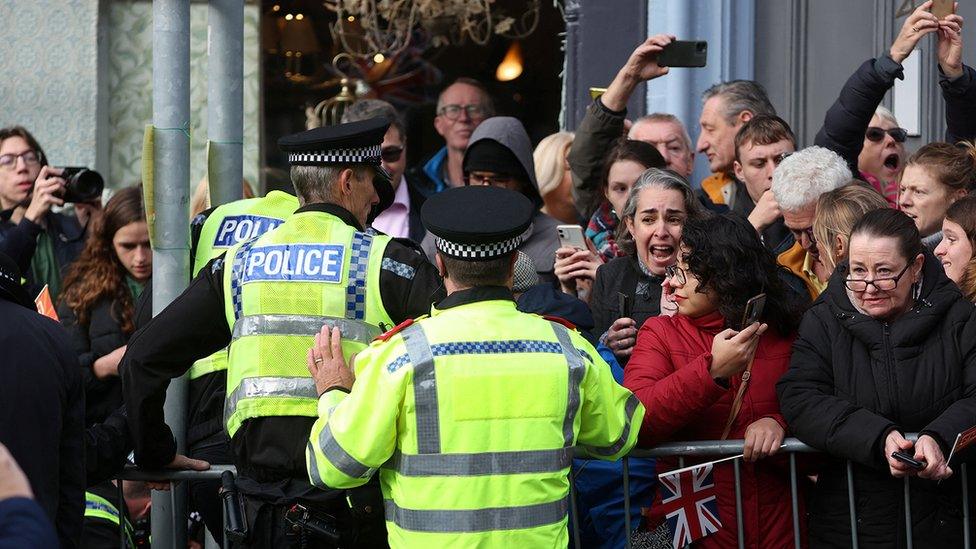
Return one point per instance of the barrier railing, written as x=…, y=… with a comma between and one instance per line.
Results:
x=679, y=450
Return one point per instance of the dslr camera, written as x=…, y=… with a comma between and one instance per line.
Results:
x=81, y=185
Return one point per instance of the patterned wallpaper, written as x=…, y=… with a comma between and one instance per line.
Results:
x=129, y=28
x=49, y=62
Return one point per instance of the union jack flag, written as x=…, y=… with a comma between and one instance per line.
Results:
x=686, y=502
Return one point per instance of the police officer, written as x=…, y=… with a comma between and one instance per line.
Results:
x=267, y=297
x=213, y=231
x=474, y=411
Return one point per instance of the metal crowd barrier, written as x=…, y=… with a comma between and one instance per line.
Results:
x=680, y=450
x=791, y=446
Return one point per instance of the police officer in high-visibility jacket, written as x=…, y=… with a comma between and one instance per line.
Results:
x=267, y=297
x=471, y=414
x=213, y=232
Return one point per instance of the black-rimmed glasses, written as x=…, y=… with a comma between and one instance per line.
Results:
x=676, y=273
x=453, y=112
x=882, y=284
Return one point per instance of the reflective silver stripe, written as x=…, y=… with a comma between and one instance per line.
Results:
x=256, y=387
x=400, y=269
x=629, y=408
x=341, y=459
x=313, y=467
x=303, y=325
x=485, y=463
x=477, y=520
x=424, y=390
x=576, y=371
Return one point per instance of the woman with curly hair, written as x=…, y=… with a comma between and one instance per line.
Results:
x=690, y=370
x=955, y=252
x=97, y=303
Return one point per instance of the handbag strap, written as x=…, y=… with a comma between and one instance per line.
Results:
x=739, y=395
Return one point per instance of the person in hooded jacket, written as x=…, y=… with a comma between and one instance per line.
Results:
x=500, y=154
x=888, y=349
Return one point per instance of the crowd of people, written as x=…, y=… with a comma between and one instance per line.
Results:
x=383, y=355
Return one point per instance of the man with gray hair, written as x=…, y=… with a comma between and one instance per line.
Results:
x=267, y=298
x=798, y=182
x=726, y=107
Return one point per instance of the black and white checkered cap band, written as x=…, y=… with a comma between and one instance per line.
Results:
x=477, y=251
x=361, y=155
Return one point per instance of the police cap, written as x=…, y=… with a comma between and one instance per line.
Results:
x=477, y=223
x=355, y=143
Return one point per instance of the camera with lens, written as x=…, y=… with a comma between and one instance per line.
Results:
x=82, y=185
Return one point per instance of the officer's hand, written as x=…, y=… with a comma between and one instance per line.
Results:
x=326, y=364
x=179, y=463
x=13, y=482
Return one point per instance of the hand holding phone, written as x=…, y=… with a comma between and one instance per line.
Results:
x=909, y=459
x=684, y=53
x=571, y=236
x=943, y=8
x=754, y=310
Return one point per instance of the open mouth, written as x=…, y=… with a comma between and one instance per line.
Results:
x=892, y=161
x=662, y=253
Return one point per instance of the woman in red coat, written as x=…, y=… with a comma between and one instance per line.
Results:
x=687, y=370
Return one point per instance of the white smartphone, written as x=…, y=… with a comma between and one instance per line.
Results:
x=571, y=236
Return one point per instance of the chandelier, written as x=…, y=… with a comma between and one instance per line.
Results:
x=366, y=28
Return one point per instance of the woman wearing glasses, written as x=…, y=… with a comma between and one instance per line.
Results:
x=42, y=242
x=866, y=134
x=690, y=370
x=889, y=349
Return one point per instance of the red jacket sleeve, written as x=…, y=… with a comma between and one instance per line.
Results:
x=672, y=396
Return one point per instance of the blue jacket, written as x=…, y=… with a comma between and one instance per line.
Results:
x=600, y=492
x=23, y=524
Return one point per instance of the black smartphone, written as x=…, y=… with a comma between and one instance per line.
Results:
x=754, y=311
x=684, y=53
x=623, y=304
x=909, y=459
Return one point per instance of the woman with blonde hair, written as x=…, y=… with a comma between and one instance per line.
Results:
x=555, y=179
x=200, y=201
x=955, y=252
x=837, y=212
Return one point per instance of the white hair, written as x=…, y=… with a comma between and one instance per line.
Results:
x=883, y=113
x=805, y=175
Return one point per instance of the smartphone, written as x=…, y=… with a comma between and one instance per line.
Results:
x=684, y=53
x=624, y=304
x=942, y=8
x=754, y=310
x=908, y=459
x=571, y=236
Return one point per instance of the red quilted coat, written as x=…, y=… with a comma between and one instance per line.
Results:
x=668, y=372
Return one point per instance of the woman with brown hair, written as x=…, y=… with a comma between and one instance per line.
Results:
x=958, y=242
x=937, y=175
x=97, y=304
x=837, y=212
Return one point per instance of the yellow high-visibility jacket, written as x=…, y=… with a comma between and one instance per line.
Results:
x=470, y=416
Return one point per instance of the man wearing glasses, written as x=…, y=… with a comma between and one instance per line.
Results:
x=798, y=182
x=460, y=108
x=41, y=242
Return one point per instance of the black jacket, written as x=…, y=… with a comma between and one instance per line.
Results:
x=267, y=450
x=849, y=116
x=102, y=335
x=19, y=241
x=42, y=406
x=623, y=275
x=852, y=379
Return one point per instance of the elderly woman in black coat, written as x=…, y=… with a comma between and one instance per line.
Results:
x=888, y=349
